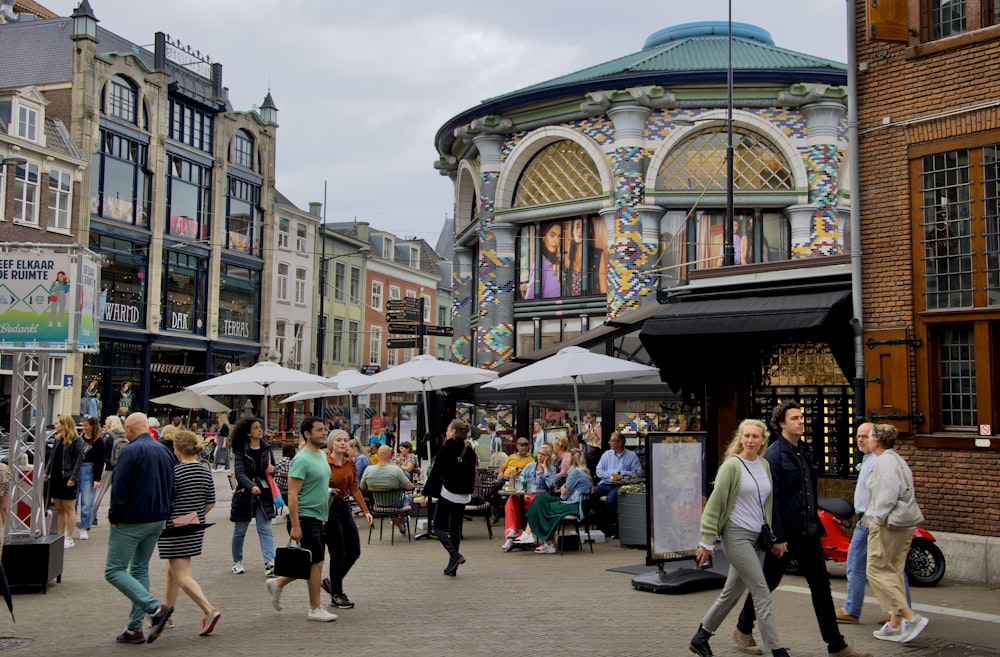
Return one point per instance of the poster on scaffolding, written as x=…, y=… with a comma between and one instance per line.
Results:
x=49, y=297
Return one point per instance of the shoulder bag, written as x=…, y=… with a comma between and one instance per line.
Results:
x=766, y=538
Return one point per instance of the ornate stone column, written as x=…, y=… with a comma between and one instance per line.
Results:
x=629, y=254
x=816, y=233
x=462, y=306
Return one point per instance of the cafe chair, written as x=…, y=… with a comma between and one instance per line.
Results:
x=576, y=521
x=481, y=503
x=387, y=503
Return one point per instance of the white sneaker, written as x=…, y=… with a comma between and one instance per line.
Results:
x=68, y=542
x=546, y=548
x=889, y=633
x=238, y=568
x=269, y=569
x=82, y=535
x=526, y=537
x=320, y=614
x=911, y=628
x=275, y=591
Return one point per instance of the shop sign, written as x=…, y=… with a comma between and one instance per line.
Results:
x=180, y=321
x=235, y=329
x=170, y=368
x=121, y=313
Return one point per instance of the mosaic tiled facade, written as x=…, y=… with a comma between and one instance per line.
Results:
x=630, y=254
x=823, y=167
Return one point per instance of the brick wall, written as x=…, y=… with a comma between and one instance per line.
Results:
x=957, y=488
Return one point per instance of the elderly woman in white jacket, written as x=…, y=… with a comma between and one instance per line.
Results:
x=891, y=515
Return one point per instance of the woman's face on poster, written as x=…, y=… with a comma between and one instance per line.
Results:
x=550, y=238
x=578, y=230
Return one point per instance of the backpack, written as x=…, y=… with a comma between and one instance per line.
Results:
x=118, y=444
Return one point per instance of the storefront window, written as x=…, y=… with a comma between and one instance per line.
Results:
x=239, y=299
x=566, y=258
x=185, y=293
x=123, y=281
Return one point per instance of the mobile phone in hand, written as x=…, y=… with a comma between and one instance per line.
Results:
x=707, y=563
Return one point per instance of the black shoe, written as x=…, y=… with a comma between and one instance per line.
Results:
x=340, y=601
x=404, y=526
x=159, y=621
x=456, y=560
x=128, y=636
x=326, y=586
x=699, y=643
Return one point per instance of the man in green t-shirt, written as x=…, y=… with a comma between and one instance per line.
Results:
x=308, y=495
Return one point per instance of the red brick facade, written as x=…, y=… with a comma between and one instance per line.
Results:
x=917, y=99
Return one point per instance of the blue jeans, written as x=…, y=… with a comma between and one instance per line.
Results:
x=263, y=532
x=85, y=494
x=857, y=568
x=130, y=545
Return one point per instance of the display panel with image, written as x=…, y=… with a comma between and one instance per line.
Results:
x=675, y=494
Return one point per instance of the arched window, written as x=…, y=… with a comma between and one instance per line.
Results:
x=699, y=163
x=122, y=99
x=561, y=171
x=243, y=150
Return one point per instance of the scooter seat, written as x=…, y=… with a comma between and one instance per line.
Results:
x=838, y=506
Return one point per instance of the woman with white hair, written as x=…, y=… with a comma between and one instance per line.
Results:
x=342, y=540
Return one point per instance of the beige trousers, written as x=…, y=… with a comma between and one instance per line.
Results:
x=887, y=549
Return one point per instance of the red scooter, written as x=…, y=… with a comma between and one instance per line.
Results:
x=924, y=564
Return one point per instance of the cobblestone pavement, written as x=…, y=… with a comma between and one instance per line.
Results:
x=500, y=604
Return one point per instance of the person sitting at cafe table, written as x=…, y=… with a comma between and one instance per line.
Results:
x=389, y=476
x=560, y=459
x=547, y=511
x=538, y=478
x=511, y=468
x=616, y=464
x=407, y=460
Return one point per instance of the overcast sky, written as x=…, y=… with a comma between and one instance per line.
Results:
x=363, y=86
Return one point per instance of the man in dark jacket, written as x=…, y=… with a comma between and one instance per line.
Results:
x=142, y=495
x=451, y=480
x=798, y=530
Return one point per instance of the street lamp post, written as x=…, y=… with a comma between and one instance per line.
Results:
x=728, y=248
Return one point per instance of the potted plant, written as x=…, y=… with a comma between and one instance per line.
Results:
x=632, y=515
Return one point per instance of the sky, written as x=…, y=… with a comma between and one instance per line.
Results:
x=363, y=86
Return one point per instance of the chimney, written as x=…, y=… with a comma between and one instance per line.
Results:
x=316, y=208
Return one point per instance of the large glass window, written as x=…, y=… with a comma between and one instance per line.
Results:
x=947, y=17
x=375, y=345
x=120, y=181
x=123, y=280
x=947, y=238
x=60, y=199
x=300, y=286
x=190, y=126
x=279, y=338
x=565, y=258
x=122, y=99
x=339, y=280
x=243, y=216
x=337, y=353
x=282, y=289
x=239, y=303
x=189, y=198
x=26, y=185
x=185, y=290
x=352, y=341
x=958, y=377
x=355, y=285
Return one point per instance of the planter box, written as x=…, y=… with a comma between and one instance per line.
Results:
x=632, y=519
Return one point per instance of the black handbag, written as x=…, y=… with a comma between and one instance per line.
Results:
x=292, y=561
x=766, y=538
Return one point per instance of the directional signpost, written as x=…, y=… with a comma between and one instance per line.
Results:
x=406, y=318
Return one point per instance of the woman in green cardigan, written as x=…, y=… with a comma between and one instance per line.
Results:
x=737, y=509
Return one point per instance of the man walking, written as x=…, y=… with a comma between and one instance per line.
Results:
x=142, y=495
x=797, y=528
x=308, y=502
x=857, y=553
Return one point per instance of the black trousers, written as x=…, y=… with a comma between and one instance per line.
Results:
x=447, y=524
x=812, y=565
x=342, y=542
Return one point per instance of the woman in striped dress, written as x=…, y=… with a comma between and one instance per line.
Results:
x=194, y=493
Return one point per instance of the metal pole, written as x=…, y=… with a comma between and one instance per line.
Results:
x=728, y=250
x=856, y=291
x=321, y=330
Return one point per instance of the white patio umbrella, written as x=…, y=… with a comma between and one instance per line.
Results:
x=187, y=399
x=572, y=365
x=264, y=378
x=423, y=373
x=341, y=380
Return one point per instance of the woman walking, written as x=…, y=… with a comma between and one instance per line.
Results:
x=547, y=511
x=63, y=473
x=253, y=498
x=221, y=459
x=91, y=471
x=114, y=442
x=890, y=517
x=194, y=497
x=452, y=479
x=737, y=510
x=342, y=540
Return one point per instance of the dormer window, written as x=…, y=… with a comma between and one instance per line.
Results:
x=388, y=248
x=415, y=257
x=27, y=123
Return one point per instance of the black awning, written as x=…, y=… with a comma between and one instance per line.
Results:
x=771, y=314
x=694, y=342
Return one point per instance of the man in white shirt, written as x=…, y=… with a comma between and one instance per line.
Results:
x=616, y=461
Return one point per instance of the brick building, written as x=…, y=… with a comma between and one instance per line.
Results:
x=929, y=175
